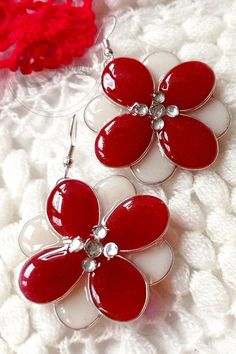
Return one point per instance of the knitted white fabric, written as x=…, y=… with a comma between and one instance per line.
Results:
x=194, y=308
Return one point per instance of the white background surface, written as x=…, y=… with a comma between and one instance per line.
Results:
x=194, y=309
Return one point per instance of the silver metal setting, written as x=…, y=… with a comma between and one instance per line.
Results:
x=93, y=247
x=156, y=110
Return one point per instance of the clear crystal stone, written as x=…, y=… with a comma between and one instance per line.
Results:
x=93, y=248
x=157, y=110
x=110, y=250
x=158, y=97
x=100, y=231
x=172, y=111
x=76, y=244
x=89, y=265
x=139, y=109
x=157, y=124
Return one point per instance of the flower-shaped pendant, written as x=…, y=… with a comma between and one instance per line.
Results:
x=92, y=265
x=165, y=116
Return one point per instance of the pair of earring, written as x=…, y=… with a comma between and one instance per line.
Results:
x=99, y=250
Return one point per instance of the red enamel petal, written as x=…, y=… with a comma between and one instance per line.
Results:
x=188, y=142
x=72, y=208
x=137, y=222
x=118, y=289
x=126, y=81
x=50, y=274
x=124, y=140
x=188, y=85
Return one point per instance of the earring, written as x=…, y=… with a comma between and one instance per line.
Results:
x=96, y=251
x=165, y=115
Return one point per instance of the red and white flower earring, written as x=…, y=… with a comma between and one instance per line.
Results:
x=165, y=115
x=97, y=251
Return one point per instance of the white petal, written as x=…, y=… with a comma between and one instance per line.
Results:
x=100, y=111
x=155, y=262
x=214, y=114
x=35, y=235
x=76, y=310
x=154, y=167
x=159, y=63
x=112, y=190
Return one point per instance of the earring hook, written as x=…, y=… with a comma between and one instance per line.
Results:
x=104, y=33
x=68, y=161
x=108, y=52
x=113, y=20
x=73, y=130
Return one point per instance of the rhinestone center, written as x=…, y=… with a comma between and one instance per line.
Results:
x=93, y=247
x=156, y=110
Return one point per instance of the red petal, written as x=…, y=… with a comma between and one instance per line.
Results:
x=188, y=85
x=126, y=81
x=188, y=142
x=118, y=289
x=50, y=274
x=137, y=222
x=124, y=140
x=72, y=208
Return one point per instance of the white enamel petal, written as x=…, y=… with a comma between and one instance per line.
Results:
x=35, y=235
x=155, y=262
x=214, y=114
x=76, y=310
x=112, y=190
x=100, y=111
x=159, y=63
x=154, y=167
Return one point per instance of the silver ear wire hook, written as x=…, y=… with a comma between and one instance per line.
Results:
x=108, y=52
x=68, y=161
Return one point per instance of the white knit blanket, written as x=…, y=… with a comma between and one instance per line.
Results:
x=196, y=303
